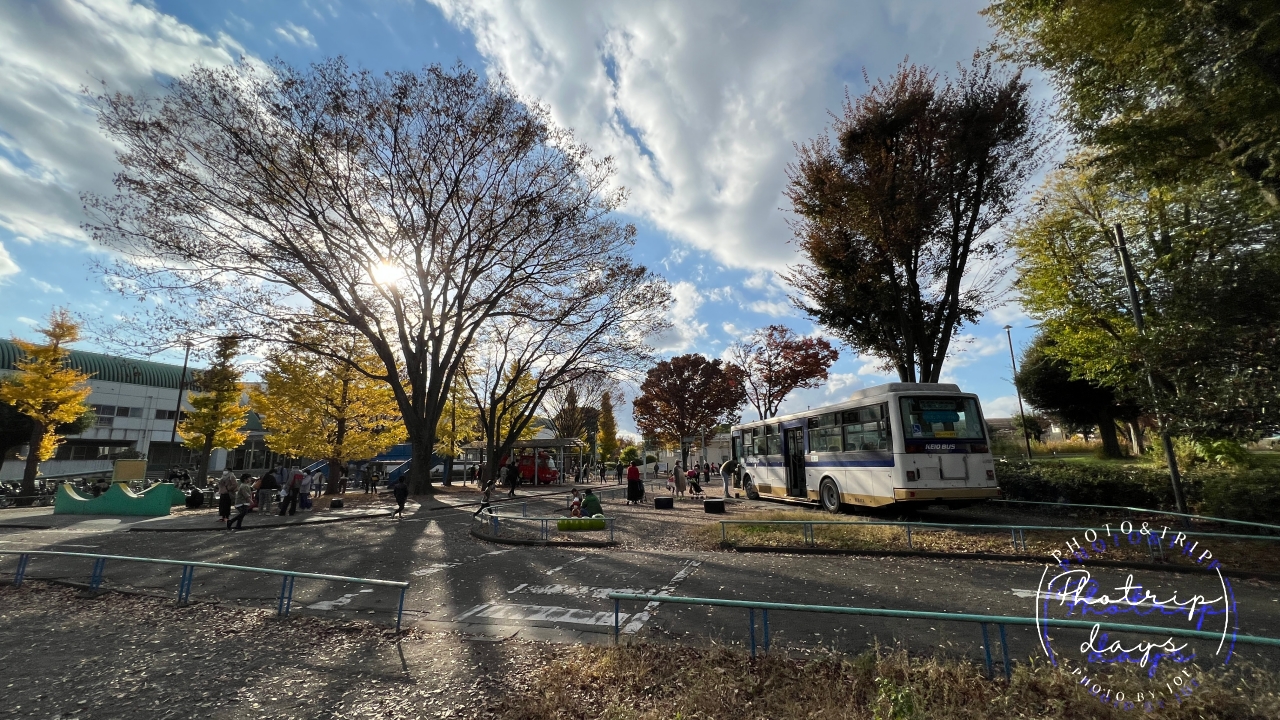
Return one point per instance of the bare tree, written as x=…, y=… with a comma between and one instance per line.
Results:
x=575, y=407
x=595, y=327
x=415, y=207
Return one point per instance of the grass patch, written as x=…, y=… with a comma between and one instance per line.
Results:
x=662, y=682
x=1248, y=555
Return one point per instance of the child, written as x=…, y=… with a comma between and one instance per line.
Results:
x=575, y=504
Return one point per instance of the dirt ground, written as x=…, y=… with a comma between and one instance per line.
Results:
x=69, y=655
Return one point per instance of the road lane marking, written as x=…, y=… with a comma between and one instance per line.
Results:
x=434, y=568
x=518, y=588
x=639, y=619
x=558, y=569
x=344, y=600
x=591, y=591
x=539, y=613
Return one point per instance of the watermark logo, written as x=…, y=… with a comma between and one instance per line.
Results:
x=1093, y=621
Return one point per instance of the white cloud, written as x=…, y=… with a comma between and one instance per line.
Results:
x=1010, y=313
x=44, y=286
x=874, y=369
x=774, y=308
x=700, y=102
x=27, y=321
x=1002, y=407
x=50, y=146
x=968, y=349
x=296, y=35
x=732, y=330
x=685, y=328
x=7, y=265
x=837, y=382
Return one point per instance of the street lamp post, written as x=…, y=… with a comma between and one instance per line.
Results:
x=1026, y=436
x=182, y=385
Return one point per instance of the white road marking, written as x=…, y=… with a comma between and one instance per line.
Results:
x=558, y=569
x=639, y=619
x=434, y=568
x=539, y=613
x=601, y=593
x=344, y=600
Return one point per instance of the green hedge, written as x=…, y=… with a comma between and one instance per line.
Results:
x=1244, y=494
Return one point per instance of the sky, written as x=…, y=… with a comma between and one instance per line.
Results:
x=700, y=103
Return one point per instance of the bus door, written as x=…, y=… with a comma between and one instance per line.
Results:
x=737, y=457
x=793, y=458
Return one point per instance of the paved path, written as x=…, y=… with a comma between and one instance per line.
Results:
x=461, y=583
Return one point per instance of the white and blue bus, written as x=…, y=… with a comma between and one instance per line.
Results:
x=901, y=443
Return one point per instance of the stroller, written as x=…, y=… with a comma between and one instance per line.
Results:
x=695, y=490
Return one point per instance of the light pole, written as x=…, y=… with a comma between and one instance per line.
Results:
x=182, y=383
x=1026, y=436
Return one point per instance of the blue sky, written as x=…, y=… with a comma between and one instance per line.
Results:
x=700, y=104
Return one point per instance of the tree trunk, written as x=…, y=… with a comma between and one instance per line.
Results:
x=420, y=465
x=26, y=495
x=1110, y=441
x=1135, y=432
x=335, y=475
x=448, y=471
x=202, y=472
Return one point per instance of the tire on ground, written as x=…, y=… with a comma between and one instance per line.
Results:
x=750, y=486
x=829, y=495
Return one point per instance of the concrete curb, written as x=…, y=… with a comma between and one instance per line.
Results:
x=27, y=527
x=544, y=543
x=223, y=529
x=1038, y=559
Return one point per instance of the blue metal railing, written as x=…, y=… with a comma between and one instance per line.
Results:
x=493, y=520
x=283, y=603
x=984, y=620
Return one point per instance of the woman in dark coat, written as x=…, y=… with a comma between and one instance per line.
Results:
x=635, y=487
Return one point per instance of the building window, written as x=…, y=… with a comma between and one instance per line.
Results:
x=104, y=410
x=104, y=421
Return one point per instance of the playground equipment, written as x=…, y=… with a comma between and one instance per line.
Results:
x=117, y=500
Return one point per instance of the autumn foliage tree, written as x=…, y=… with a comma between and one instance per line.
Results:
x=608, y=429
x=46, y=391
x=216, y=416
x=321, y=406
x=892, y=213
x=776, y=361
x=686, y=396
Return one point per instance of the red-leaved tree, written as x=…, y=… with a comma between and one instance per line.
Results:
x=688, y=395
x=775, y=361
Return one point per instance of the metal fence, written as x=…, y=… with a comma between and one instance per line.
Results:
x=1000, y=621
x=283, y=603
x=1184, y=516
x=493, y=523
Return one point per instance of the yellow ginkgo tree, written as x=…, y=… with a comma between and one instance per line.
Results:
x=330, y=406
x=46, y=390
x=216, y=417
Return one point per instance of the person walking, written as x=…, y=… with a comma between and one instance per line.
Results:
x=681, y=482
x=291, y=491
x=602, y=470
x=401, y=493
x=244, y=497
x=304, y=492
x=486, y=493
x=635, y=487
x=513, y=474
x=618, y=479
x=226, y=494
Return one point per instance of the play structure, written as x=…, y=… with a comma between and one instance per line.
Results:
x=117, y=500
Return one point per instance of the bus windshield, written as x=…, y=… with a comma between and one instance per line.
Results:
x=941, y=417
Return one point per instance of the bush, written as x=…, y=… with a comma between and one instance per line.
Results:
x=1091, y=484
x=1242, y=495
x=1239, y=494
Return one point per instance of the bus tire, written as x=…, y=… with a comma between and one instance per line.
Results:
x=750, y=487
x=829, y=495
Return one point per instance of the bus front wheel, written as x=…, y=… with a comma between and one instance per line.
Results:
x=829, y=495
x=750, y=486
